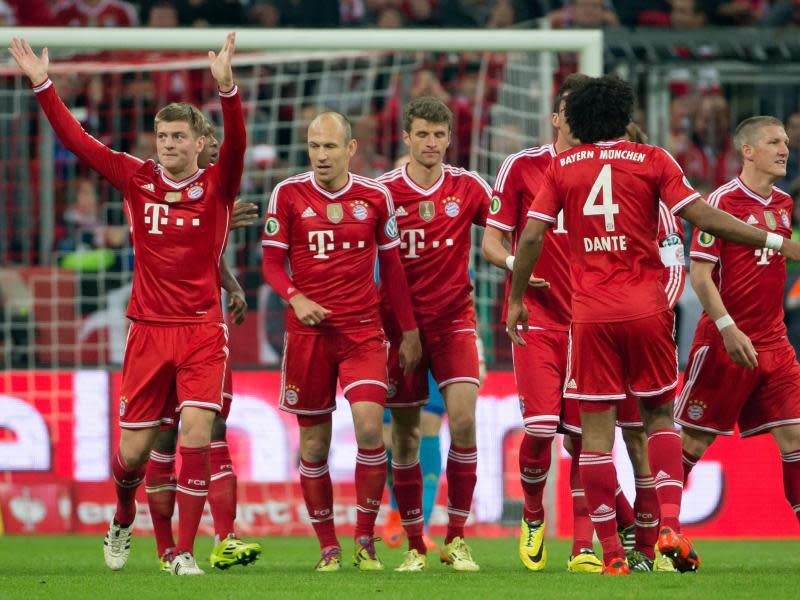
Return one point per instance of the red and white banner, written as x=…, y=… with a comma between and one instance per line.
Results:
x=57, y=430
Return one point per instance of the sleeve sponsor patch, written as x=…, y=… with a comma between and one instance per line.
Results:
x=390, y=229
x=271, y=227
x=706, y=240
x=494, y=206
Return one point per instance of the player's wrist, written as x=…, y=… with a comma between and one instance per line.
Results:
x=226, y=86
x=724, y=321
x=774, y=241
x=510, y=262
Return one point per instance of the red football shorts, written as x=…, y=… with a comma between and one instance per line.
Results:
x=312, y=363
x=227, y=392
x=608, y=360
x=539, y=368
x=718, y=393
x=628, y=416
x=169, y=365
x=452, y=357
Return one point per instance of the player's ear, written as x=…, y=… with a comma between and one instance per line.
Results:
x=555, y=120
x=406, y=139
x=352, y=147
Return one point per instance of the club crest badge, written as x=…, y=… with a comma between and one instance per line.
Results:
x=172, y=197
x=785, y=218
x=122, y=403
x=769, y=219
x=195, y=192
x=359, y=208
x=452, y=206
x=292, y=395
x=335, y=212
x=696, y=409
x=427, y=210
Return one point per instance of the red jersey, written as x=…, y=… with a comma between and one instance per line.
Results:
x=670, y=244
x=517, y=182
x=331, y=239
x=610, y=192
x=179, y=228
x=750, y=280
x=107, y=13
x=435, y=239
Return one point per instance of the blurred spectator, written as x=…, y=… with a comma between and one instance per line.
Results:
x=419, y=12
x=368, y=161
x=26, y=13
x=791, y=183
x=686, y=14
x=736, y=12
x=95, y=13
x=710, y=160
x=783, y=13
x=680, y=125
x=352, y=12
x=584, y=14
x=265, y=13
x=208, y=13
x=144, y=146
x=502, y=15
x=390, y=18
x=162, y=14
x=83, y=227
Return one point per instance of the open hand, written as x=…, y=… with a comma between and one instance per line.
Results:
x=221, y=68
x=33, y=66
x=244, y=214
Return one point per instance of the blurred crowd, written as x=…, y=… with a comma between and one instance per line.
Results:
x=676, y=14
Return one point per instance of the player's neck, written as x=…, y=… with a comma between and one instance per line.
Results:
x=760, y=183
x=424, y=176
x=561, y=145
x=183, y=173
x=335, y=184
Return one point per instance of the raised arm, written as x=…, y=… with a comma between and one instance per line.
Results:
x=737, y=344
x=117, y=167
x=230, y=166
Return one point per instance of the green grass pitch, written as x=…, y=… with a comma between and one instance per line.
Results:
x=69, y=567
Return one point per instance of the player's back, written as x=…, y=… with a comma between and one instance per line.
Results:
x=435, y=231
x=610, y=196
x=332, y=238
x=751, y=281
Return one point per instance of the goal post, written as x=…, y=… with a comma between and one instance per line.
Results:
x=587, y=43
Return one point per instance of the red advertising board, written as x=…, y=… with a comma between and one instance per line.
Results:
x=57, y=430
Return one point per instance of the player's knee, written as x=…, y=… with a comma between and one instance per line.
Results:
x=636, y=445
x=658, y=412
x=134, y=455
x=369, y=434
x=219, y=429
x=166, y=440
x=405, y=441
x=696, y=442
x=462, y=428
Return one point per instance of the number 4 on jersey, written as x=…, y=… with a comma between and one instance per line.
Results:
x=607, y=208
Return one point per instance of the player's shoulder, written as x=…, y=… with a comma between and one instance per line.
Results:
x=471, y=178
x=727, y=191
x=781, y=197
x=288, y=188
x=365, y=186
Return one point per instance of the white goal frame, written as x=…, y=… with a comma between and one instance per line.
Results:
x=587, y=43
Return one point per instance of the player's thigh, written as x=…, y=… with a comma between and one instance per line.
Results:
x=714, y=390
x=227, y=391
x=308, y=376
x=539, y=369
x=628, y=416
x=406, y=390
x=651, y=357
x=596, y=370
x=362, y=366
x=435, y=405
x=201, y=355
x=776, y=401
x=148, y=376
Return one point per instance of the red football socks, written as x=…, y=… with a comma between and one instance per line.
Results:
x=160, y=484
x=126, y=480
x=408, y=493
x=221, y=489
x=582, y=527
x=315, y=481
x=689, y=460
x=625, y=516
x=191, y=495
x=600, y=482
x=791, y=479
x=370, y=480
x=462, y=474
x=647, y=515
x=534, y=463
x=664, y=453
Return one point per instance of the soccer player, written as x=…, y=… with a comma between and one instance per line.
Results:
x=609, y=190
x=160, y=476
x=436, y=207
x=540, y=366
x=742, y=369
x=179, y=216
x=330, y=223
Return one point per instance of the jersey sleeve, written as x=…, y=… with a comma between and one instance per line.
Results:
x=386, y=232
x=230, y=166
x=673, y=187
x=278, y=220
x=547, y=203
x=705, y=247
x=117, y=167
x=504, y=207
x=483, y=199
x=670, y=245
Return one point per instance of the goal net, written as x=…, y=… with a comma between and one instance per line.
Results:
x=66, y=264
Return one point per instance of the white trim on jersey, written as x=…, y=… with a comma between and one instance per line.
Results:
x=274, y=243
x=42, y=86
x=652, y=393
x=140, y=425
x=183, y=182
x=696, y=254
x=499, y=225
x=767, y=426
x=336, y=194
x=715, y=196
x=689, y=425
x=364, y=382
x=421, y=190
x=502, y=174
x=372, y=183
x=447, y=382
x=390, y=245
x=752, y=194
x=229, y=93
x=458, y=172
x=683, y=203
x=595, y=397
x=540, y=217
x=694, y=371
x=272, y=205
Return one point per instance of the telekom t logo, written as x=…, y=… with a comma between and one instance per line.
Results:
x=155, y=219
x=412, y=240
x=318, y=241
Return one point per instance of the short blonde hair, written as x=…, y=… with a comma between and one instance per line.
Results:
x=183, y=111
x=747, y=131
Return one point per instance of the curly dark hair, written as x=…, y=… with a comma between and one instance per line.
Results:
x=600, y=109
